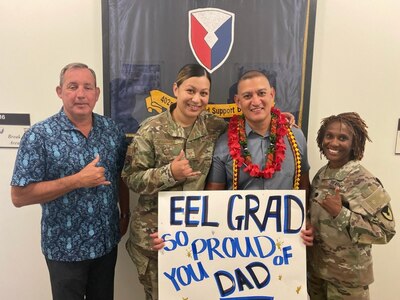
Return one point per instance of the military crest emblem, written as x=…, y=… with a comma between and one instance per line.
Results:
x=211, y=36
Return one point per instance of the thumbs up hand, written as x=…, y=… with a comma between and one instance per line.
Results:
x=181, y=169
x=92, y=175
x=332, y=203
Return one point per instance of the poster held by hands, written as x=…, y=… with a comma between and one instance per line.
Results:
x=232, y=245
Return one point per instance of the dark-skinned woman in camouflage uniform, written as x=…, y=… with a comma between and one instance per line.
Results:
x=350, y=210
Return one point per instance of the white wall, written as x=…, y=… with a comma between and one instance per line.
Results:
x=37, y=39
x=356, y=68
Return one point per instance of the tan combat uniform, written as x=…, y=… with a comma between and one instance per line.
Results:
x=341, y=254
x=147, y=171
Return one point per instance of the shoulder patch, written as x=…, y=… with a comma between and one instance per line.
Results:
x=387, y=213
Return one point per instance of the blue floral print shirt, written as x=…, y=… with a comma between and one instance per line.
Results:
x=82, y=224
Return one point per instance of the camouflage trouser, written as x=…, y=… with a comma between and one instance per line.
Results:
x=147, y=266
x=319, y=289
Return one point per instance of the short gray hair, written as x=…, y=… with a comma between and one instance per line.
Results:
x=75, y=66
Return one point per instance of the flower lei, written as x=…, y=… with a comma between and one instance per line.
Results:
x=275, y=154
x=297, y=159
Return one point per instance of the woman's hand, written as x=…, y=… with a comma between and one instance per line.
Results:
x=332, y=203
x=308, y=234
x=290, y=118
x=181, y=168
x=158, y=243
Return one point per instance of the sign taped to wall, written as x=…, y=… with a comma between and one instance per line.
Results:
x=12, y=128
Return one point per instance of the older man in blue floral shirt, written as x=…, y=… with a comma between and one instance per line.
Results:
x=70, y=163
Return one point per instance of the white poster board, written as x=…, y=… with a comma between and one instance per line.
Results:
x=232, y=245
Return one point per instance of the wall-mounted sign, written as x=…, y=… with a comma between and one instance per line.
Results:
x=12, y=128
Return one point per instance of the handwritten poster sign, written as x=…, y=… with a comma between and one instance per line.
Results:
x=232, y=245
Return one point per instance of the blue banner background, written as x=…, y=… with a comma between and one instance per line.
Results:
x=146, y=43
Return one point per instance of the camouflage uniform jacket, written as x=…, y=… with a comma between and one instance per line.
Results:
x=147, y=167
x=342, y=246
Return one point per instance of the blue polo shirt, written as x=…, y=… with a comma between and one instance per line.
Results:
x=82, y=224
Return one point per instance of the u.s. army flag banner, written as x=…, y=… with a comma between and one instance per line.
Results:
x=147, y=42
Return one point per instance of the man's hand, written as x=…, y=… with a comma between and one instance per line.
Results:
x=92, y=175
x=181, y=169
x=45, y=191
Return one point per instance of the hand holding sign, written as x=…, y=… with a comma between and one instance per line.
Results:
x=158, y=243
x=232, y=244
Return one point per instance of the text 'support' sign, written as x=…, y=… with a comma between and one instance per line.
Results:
x=232, y=245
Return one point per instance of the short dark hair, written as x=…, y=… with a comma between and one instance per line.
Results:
x=253, y=74
x=357, y=126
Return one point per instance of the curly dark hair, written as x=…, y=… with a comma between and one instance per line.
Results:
x=356, y=125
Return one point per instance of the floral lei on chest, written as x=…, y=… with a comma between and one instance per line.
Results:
x=275, y=154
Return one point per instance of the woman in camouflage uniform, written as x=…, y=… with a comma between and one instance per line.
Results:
x=350, y=211
x=170, y=152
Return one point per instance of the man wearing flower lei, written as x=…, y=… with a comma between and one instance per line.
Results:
x=260, y=151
